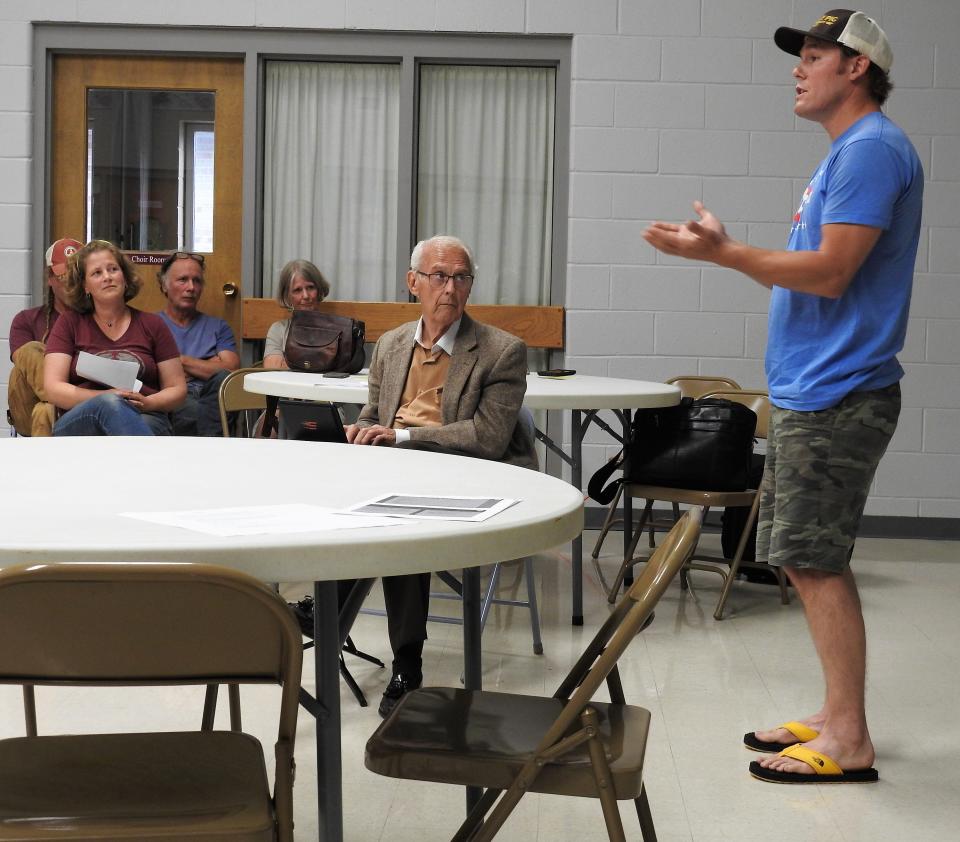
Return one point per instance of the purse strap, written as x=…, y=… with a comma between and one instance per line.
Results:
x=269, y=416
x=595, y=487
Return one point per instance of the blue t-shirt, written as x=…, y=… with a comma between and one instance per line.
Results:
x=203, y=338
x=820, y=349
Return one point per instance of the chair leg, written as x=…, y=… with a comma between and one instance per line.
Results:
x=233, y=696
x=684, y=579
x=501, y=812
x=737, y=557
x=534, y=609
x=608, y=522
x=475, y=818
x=488, y=596
x=643, y=814
x=209, y=707
x=29, y=707
x=628, y=555
x=782, y=582
x=604, y=781
x=351, y=682
x=351, y=649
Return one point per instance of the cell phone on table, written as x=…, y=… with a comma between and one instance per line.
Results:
x=556, y=372
x=337, y=374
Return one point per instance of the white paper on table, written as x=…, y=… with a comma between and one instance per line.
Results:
x=282, y=519
x=432, y=507
x=352, y=382
x=119, y=374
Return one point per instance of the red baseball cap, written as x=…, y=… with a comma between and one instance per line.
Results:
x=59, y=253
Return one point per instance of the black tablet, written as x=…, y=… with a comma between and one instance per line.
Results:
x=306, y=421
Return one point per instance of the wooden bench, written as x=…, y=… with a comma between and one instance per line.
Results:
x=539, y=327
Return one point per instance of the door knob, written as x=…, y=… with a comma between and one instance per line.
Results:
x=230, y=289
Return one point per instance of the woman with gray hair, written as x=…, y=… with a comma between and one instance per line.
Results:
x=302, y=286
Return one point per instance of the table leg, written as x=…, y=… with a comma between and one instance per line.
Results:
x=576, y=550
x=472, y=658
x=627, y=502
x=327, y=662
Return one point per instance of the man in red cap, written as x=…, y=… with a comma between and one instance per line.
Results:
x=840, y=296
x=29, y=411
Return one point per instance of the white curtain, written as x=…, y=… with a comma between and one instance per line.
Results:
x=486, y=173
x=330, y=174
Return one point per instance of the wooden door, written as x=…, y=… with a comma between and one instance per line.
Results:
x=146, y=230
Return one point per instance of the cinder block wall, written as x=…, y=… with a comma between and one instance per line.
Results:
x=671, y=102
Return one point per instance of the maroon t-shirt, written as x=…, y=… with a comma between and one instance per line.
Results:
x=29, y=326
x=147, y=340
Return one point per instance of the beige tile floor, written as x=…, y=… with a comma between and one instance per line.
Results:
x=706, y=684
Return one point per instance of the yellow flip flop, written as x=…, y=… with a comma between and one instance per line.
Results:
x=802, y=733
x=826, y=770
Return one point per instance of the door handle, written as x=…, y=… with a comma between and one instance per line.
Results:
x=230, y=289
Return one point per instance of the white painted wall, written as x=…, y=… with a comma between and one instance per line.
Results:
x=671, y=101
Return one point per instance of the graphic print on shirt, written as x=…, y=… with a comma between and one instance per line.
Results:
x=798, y=222
x=125, y=356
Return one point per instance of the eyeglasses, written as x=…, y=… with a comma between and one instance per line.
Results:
x=439, y=279
x=181, y=255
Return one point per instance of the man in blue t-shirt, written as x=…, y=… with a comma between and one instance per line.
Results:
x=208, y=350
x=840, y=297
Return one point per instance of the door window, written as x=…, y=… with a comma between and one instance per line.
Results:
x=150, y=168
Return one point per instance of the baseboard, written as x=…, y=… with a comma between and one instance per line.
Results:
x=872, y=526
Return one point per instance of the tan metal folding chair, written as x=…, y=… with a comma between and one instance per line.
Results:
x=569, y=744
x=136, y=625
x=235, y=399
x=690, y=386
x=760, y=404
x=490, y=597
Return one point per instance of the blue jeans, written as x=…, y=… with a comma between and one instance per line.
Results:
x=200, y=413
x=110, y=415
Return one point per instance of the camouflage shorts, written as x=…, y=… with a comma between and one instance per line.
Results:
x=817, y=476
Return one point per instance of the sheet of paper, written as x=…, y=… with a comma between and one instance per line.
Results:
x=351, y=382
x=261, y=520
x=119, y=374
x=427, y=507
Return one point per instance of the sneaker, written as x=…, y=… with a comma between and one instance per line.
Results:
x=303, y=611
x=399, y=686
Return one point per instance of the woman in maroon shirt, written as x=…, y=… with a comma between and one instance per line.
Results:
x=99, y=284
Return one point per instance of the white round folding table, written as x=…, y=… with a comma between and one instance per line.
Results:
x=582, y=395
x=65, y=500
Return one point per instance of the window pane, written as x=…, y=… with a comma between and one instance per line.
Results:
x=485, y=173
x=135, y=165
x=197, y=212
x=330, y=174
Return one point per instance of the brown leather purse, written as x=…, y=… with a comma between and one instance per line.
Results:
x=320, y=342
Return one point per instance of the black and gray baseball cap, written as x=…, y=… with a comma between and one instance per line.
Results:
x=842, y=26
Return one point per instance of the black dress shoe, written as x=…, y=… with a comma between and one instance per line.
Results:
x=303, y=611
x=400, y=685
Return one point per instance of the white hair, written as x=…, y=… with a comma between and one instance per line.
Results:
x=443, y=241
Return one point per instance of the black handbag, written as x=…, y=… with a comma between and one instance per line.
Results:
x=320, y=342
x=734, y=518
x=704, y=444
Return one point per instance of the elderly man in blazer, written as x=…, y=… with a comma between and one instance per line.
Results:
x=447, y=383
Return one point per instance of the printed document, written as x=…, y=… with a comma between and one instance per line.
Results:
x=429, y=507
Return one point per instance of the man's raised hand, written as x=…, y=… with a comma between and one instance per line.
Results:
x=694, y=240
